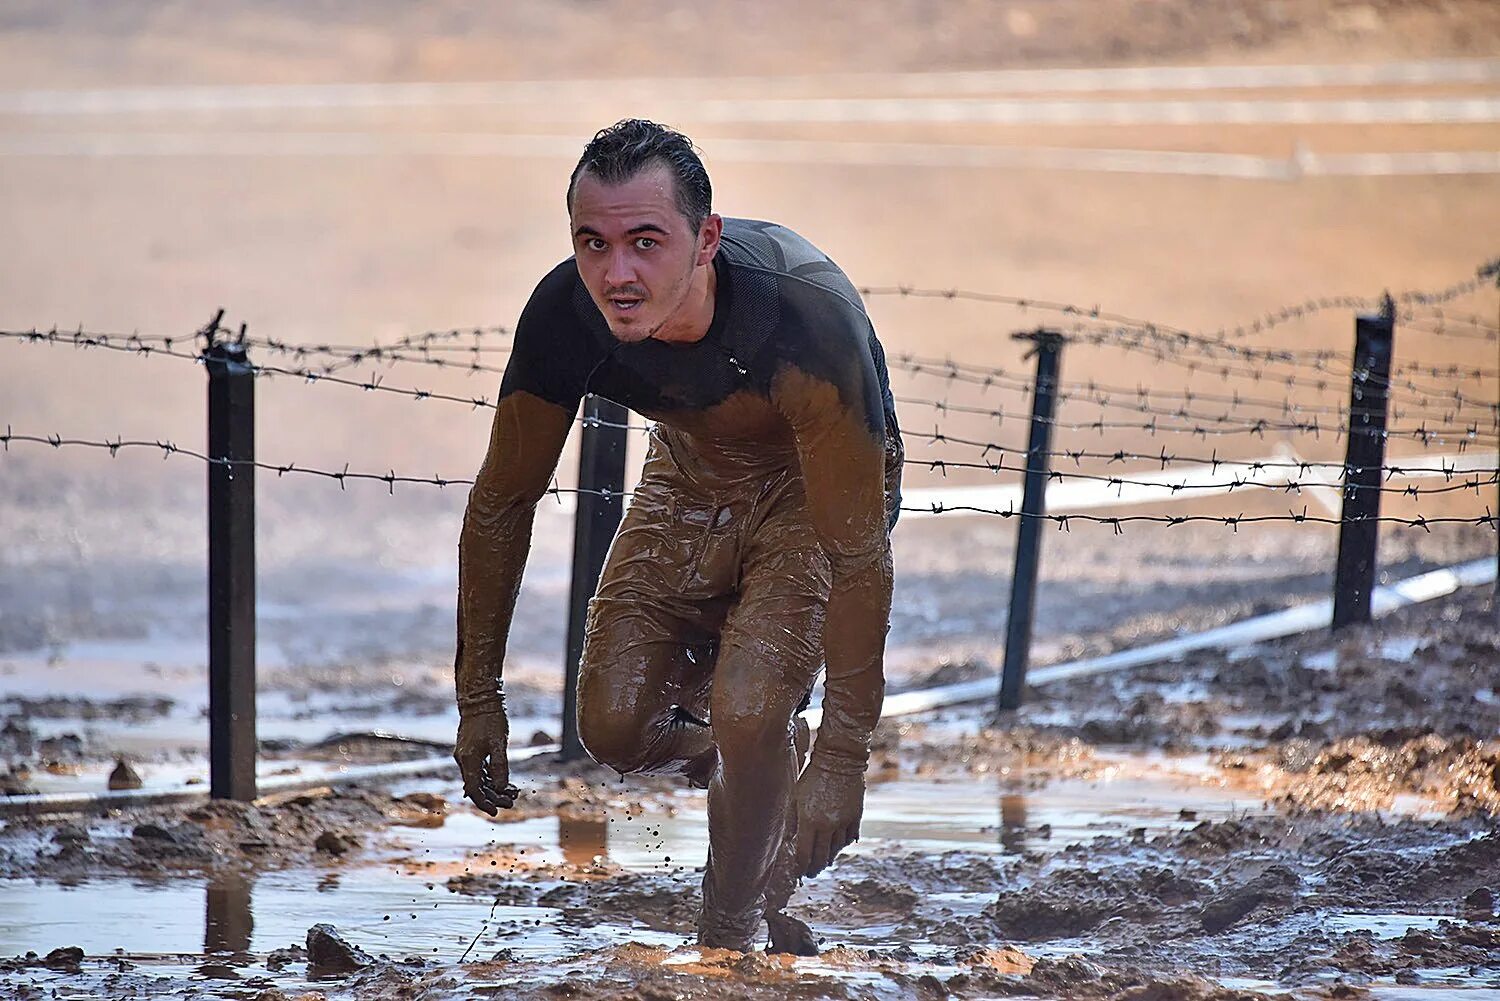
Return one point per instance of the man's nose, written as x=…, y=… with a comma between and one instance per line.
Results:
x=621, y=269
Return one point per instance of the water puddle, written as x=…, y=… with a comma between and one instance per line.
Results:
x=393, y=900
x=1384, y=925
x=1433, y=992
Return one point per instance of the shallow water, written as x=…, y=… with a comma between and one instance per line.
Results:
x=383, y=903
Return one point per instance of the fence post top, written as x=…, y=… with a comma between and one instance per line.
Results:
x=1042, y=337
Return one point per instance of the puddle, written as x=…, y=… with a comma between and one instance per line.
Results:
x=1401, y=648
x=388, y=904
x=1433, y=992
x=1384, y=925
x=1323, y=660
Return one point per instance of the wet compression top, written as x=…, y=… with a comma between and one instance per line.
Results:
x=789, y=375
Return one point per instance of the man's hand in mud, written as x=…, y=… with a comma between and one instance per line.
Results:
x=830, y=803
x=483, y=734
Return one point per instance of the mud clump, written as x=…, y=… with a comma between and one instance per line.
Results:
x=1072, y=901
x=1276, y=887
x=337, y=843
x=330, y=952
x=124, y=777
x=1369, y=771
x=661, y=903
x=880, y=895
x=68, y=959
x=201, y=837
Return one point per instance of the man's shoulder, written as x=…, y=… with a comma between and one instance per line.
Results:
x=781, y=251
x=559, y=285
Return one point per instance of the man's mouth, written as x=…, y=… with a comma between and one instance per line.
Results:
x=625, y=303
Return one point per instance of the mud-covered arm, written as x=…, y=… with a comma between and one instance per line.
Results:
x=543, y=385
x=525, y=441
x=833, y=403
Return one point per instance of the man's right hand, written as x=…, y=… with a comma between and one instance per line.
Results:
x=483, y=734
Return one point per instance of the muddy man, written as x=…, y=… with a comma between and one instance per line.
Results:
x=756, y=547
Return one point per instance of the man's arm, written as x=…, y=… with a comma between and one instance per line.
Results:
x=544, y=381
x=525, y=441
x=836, y=414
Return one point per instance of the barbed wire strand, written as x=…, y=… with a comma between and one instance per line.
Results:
x=391, y=478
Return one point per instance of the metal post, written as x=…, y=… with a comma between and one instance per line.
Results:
x=601, y=480
x=1048, y=353
x=231, y=571
x=1364, y=459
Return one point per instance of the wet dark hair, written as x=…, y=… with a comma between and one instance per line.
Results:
x=618, y=153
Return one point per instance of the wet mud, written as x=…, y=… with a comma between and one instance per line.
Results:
x=1311, y=818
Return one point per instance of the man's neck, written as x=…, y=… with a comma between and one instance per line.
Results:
x=697, y=309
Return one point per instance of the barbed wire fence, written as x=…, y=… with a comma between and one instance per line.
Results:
x=1079, y=432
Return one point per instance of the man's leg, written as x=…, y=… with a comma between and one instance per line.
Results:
x=770, y=651
x=651, y=636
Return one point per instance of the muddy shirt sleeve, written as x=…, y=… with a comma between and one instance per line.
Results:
x=826, y=387
x=539, y=395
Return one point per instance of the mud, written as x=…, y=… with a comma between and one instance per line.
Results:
x=1365, y=857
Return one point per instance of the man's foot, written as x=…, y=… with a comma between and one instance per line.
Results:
x=720, y=941
x=790, y=935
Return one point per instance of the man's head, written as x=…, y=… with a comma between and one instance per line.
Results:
x=643, y=230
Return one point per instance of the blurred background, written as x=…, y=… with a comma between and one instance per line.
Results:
x=353, y=174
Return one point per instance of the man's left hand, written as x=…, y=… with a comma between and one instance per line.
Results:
x=830, y=803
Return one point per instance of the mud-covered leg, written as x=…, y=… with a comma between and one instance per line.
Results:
x=789, y=934
x=762, y=674
x=637, y=693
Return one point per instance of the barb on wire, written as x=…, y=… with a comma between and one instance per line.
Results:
x=1164, y=458
x=1062, y=521
x=392, y=477
x=341, y=476
x=1484, y=275
x=1475, y=479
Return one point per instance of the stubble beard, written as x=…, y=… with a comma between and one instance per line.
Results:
x=631, y=334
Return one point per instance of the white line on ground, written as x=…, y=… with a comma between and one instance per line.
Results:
x=877, y=154
x=1288, y=622
x=979, y=111
x=259, y=97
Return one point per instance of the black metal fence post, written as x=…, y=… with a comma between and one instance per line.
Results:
x=1364, y=459
x=1048, y=351
x=601, y=482
x=231, y=570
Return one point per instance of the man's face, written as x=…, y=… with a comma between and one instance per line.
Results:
x=636, y=251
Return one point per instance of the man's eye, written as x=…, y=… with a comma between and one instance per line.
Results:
x=594, y=243
x=645, y=242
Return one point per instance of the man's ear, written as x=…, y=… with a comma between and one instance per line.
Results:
x=708, y=238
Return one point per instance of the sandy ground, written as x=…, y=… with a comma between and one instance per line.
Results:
x=1310, y=817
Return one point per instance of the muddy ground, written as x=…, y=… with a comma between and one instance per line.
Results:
x=1307, y=818
x=1359, y=854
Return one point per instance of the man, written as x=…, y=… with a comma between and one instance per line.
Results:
x=755, y=548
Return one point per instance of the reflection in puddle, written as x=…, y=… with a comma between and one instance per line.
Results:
x=228, y=923
x=583, y=841
x=386, y=902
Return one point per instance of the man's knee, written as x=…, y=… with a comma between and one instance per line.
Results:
x=615, y=740
x=752, y=718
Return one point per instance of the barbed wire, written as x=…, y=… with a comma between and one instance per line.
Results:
x=1477, y=478
x=1103, y=395
x=1202, y=425
x=1165, y=458
x=1253, y=426
x=1098, y=395
x=391, y=478
x=133, y=345
x=1484, y=274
